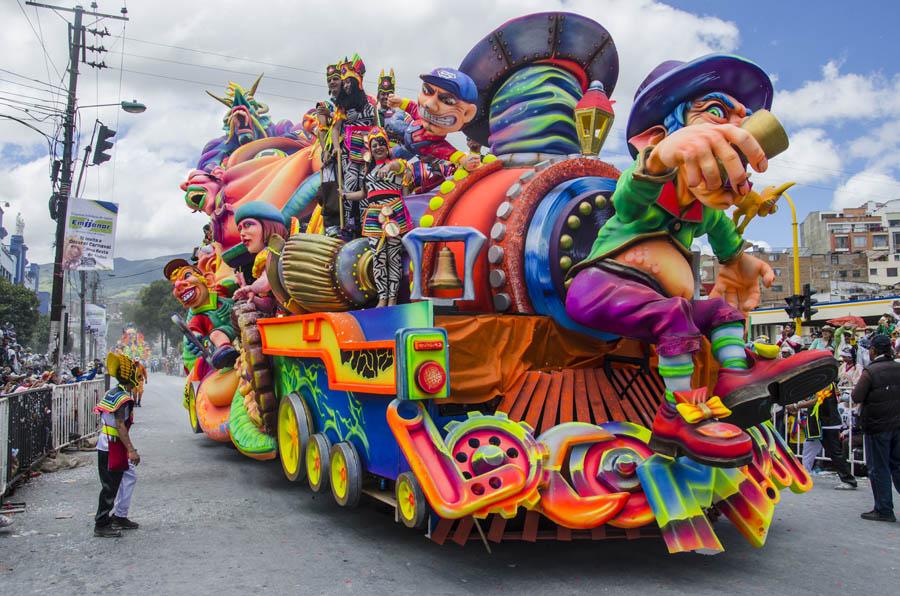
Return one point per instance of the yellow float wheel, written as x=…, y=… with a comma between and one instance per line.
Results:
x=294, y=429
x=411, y=505
x=192, y=409
x=317, y=452
x=345, y=470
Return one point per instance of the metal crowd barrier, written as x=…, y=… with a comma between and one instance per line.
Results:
x=37, y=422
x=781, y=423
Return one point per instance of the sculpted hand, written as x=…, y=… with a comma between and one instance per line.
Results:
x=471, y=162
x=394, y=101
x=697, y=148
x=738, y=282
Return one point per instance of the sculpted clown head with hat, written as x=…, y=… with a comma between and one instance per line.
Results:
x=690, y=134
x=445, y=105
x=209, y=315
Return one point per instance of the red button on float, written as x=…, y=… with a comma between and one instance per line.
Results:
x=430, y=377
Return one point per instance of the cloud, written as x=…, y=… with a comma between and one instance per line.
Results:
x=867, y=185
x=811, y=158
x=837, y=98
x=154, y=150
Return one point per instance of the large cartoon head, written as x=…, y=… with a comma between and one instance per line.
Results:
x=447, y=100
x=713, y=90
x=246, y=119
x=200, y=189
x=188, y=283
x=256, y=222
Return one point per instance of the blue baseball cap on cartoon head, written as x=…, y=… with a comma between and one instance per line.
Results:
x=455, y=81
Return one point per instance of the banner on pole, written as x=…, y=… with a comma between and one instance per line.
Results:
x=90, y=235
x=95, y=318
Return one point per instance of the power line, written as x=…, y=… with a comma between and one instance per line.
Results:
x=38, y=37
x=15, y=74
x=202, y=84
x=22, y=95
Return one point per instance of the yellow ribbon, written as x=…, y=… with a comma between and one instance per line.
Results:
x=694, y=413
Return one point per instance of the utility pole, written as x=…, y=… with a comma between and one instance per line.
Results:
x=61, y=202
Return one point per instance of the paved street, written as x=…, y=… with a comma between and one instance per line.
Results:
x=215, y=522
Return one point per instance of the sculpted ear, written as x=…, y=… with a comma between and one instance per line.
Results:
x=651, y=136
x=469, y=112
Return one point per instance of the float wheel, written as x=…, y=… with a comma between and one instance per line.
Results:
x=411, y=506
x=317, y=462
x=192, y=410
x=294, y=429
x=346, y=474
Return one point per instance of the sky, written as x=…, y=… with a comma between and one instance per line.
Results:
x=834, y=66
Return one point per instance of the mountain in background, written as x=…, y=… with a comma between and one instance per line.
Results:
x=125, y=281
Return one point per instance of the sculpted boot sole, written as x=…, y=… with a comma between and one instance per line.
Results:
x=752, y=403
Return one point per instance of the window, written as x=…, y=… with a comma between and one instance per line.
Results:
x=857, y=273
x=880, y=241
x=873, y=271
x=773, y=258
x=824, y=275
x=835, y=260
x=894, y=223
x=860, y=242
x=842, y=274
x=841, y=242
x=892, y=272
x=777, y=288
x=777, y=272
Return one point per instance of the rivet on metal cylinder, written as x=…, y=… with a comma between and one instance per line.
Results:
x=585, y=208
x=495, y=254
x=504, y=210
x=574, y=222
x=498, y=231
x=566, y=242
x=497, y=278
x=502, y=302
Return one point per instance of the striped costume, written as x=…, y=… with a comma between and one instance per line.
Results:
x=385, y=220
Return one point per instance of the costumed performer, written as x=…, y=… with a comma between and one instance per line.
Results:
x=385, y=216
x=209, y=314
x=328, y=194
x=637, y=280
x=116, y=454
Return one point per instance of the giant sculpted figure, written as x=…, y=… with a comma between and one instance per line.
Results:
x=637, y=281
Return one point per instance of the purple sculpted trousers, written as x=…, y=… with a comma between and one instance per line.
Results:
x=616, y=303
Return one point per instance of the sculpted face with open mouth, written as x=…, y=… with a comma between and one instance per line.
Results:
x=441, y=111
x=189, y=288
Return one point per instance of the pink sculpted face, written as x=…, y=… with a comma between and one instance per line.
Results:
x=251, y=233
x=200, y=190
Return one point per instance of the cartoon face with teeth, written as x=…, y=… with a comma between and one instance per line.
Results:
x=446, y=101
x=446, y=104
x=189, y=286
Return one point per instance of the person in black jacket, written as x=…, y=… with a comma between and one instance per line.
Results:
x=878, y=390
x=824, y=413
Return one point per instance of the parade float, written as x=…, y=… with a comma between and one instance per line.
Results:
x=486, y=404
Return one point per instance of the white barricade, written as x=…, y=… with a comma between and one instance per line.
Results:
x=4, y=443
x=72, y=411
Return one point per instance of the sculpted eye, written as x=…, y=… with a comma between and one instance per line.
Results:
x=716, y=110
x=427, y=90
x=447, y=99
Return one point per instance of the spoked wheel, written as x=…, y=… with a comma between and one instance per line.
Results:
x=317, y=459
x=294, y=429
x=346, y=474
x=411, y=505
x=192, y=409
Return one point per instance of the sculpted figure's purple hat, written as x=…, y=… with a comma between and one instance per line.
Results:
x=673, y=82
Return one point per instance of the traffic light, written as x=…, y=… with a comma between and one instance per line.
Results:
x=794, y=306
x=104, y=144
x=808, y=302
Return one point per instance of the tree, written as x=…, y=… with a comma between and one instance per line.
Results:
x=19, y=306
x=152, y=312
x=40, y=336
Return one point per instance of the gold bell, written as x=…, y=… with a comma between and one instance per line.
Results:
x=445, y=276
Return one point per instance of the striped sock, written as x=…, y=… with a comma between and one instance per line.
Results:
x=728, y=345
x=676, y=373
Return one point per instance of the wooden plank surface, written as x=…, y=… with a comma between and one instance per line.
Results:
x=524, y=396
x=566, y=403
x=510, y=398
x=495, y=532
x=529, y=531
x=551, y=407
x=463, y=529
x=610, y=396
x=582, y=410
x=594, y=398
x=441, y=530
x=533, y=414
